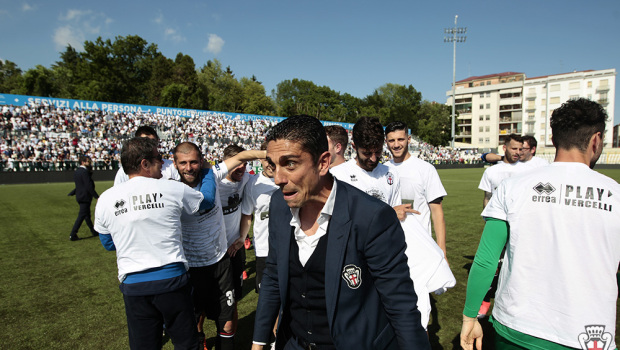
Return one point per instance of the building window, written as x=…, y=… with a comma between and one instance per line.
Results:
x=488, y=93
x=554, y=100
x=482, y=94
x=554, y=87
x=487, y=140
x=487, y=128
x=543, y=101
x=489, y=82
x=488, y=106
x=480, y=129
x=480, y=140
x=481, y=106
x=574, y=85
x=573, y=97
x=603, y=82
x=488, y=117
x=542, y=126
x=481, y=118
x=590, y=84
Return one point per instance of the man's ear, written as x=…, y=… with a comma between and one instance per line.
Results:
x=324, y=162
x=338, y=147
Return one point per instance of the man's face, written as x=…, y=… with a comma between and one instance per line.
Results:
x=512, y=151
x=527, y=152
x=188, y=165
x=155, y=163
x=236, y=174
x=397, y=142
x=295, y=171
x=368, y=159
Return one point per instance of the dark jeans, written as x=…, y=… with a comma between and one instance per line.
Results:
x=147, y=314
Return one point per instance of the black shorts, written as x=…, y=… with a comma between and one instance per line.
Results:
x=213, y=290
x=238, y=265
x=260, y=266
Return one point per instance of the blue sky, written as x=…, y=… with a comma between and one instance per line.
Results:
x=350, y=46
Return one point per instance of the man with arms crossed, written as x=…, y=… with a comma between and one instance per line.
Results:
x=336, y=273
x=141, y=220
x=563, y=250
x=419, y=182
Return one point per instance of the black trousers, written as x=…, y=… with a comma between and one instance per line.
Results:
x=83, y=215
x=147, y=314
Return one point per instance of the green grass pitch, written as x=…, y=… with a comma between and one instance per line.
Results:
x=58, y=294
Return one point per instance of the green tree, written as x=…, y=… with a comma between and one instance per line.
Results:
x=225, y=93
x=434, y=123
x=392, y=102
x=10, y=77
x=38, y=81
x=255, y=101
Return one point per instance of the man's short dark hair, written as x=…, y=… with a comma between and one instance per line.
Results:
x=337, y=134
x=134, y=150
x=83, y=159
x=186, y=147
x=396, y=126
x=305, y=130
x=531, y=141
x=574, y=123
x=146, y=130
x=232, y=150
x=368, y=133
x=511, y=137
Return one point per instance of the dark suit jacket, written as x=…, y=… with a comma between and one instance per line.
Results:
x=84, y=190
x=364, y=233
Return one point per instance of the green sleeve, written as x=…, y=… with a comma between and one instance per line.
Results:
x=493, y=240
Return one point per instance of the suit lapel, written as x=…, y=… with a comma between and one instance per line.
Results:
x=284, y=245
x=339, y=230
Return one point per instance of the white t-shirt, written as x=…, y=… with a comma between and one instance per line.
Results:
x=256, y=199
x=204, y=235
x=494, y=175
x=420, y=183
x=559, y=272
x=536, y=162
x=380, y=183
x=143, y=215
x=231, y=195
x=168, y=172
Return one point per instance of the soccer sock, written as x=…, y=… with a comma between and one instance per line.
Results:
x=225, y=341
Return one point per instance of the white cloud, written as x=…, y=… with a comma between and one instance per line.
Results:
x=173, y=35
x=68, y=35
x=78, y=26
x=215, y=44
x=28, y=7
x=159, y=19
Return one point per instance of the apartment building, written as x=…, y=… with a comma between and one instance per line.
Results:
x=546, y=93
x=490, y=107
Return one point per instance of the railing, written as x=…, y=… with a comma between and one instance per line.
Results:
x=66, y=165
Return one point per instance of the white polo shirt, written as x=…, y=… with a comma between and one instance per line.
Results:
x=381, y=183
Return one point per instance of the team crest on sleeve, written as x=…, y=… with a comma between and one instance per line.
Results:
x=595, y=337
x=352, y=275
x=390, y=178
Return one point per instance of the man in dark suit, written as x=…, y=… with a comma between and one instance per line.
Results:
x=336, y=275
x=84, y=192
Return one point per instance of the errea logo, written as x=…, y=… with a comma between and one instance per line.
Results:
x=541, y=188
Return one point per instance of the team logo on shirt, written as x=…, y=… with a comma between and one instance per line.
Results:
x=352, y=275
x=595, y=338
x=543, y=191
x=120, y=207
x=353, y=178
x=233, y=204
x=544, y=188
x=390, y=178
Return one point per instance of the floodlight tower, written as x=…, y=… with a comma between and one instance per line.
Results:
x=454, y=39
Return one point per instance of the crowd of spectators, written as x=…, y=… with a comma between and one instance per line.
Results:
x=45, y=138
